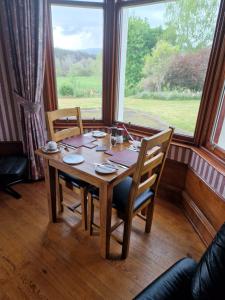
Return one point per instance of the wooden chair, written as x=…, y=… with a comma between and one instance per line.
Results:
x=66, y=181
x=133, y=195
x=66, y=113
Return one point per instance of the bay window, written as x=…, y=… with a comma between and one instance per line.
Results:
x=150, y=64
x=164, y=53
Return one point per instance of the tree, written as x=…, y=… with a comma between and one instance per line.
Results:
x=82, y=68
x=187, y=71
x=157, y=65
x=141, y=39
x=194, y=22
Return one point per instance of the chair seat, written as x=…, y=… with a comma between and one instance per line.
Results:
x=12, y=168
x=76, y=182
x=121, y=194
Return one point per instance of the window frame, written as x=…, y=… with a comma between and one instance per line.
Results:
x=197, y=136
x=111, y=72
x=50, y=92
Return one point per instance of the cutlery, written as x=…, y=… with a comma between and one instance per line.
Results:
x=108, y=165
x=116, y=164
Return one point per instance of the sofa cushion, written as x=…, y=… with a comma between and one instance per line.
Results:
x=12, y=168
x=209, y=279
x=174, y=284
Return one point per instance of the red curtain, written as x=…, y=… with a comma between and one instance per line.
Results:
x=24, y=33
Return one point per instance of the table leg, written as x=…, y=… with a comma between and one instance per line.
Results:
x=50, y=181
x=105, y=199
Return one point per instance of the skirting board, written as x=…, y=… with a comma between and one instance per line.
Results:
x=202, y=226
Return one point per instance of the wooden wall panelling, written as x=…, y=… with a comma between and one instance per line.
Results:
x=201, y=224
x=173, y=180
x=211, y=205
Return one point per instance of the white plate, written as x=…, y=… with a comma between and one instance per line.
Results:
x=104, y=169
x=73, y=159
x=46, y=150
x=98, y=134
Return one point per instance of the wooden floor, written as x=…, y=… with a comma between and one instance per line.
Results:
x=59, y=261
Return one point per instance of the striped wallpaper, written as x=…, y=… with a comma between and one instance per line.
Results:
x=202, y=168
x=211, y=176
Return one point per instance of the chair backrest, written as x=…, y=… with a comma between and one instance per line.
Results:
x=151, y=160
x=57, y=136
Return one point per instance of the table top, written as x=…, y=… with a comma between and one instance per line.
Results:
x=86, y=170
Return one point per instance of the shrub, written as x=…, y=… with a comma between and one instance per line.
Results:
x=66, y=90
x=187, y=71
x=170, y=95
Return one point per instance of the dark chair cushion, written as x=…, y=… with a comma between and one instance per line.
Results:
x=73, y=180
x=174, y=284
x=12, y=168
x=209, y=279
x=121, y=193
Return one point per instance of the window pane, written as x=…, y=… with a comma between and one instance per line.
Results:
x=218, y=136
x=163, y=65
x=78, y=49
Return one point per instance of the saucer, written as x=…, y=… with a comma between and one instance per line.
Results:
x=46, y=150
x=98, y=134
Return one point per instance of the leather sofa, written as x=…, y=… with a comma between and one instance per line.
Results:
x=13, y=166
x=187, y=279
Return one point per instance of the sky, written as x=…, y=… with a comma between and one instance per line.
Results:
x=82, y=28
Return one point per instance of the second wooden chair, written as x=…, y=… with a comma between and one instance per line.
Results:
x=132, y=195
x=66, y=181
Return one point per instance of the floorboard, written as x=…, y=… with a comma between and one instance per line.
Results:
x=39, y=260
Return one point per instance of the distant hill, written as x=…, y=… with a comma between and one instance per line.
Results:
x=92, y=51
x=72, y=56
x=67, y=59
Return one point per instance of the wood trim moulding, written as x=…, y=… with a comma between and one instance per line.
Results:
x=198, y=220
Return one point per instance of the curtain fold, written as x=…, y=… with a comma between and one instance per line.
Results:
x=24, y=33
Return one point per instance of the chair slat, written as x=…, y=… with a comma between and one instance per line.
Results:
x=63, y=113
x=68, y=132
x=152, y=163
x=65, y=133
x=152, y=152
x=146, y=184
x=159, y=138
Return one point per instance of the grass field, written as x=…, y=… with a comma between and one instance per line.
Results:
x=159, y=114
x=81, y=85
x=156, y=113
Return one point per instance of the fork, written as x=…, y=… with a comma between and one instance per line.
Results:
x=115, y=164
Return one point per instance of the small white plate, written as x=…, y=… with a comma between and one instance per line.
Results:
x=105, y=169
x=73, y=159
x=46, y=150
x=98, y=134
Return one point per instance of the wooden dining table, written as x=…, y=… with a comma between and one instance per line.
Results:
x=53, y=163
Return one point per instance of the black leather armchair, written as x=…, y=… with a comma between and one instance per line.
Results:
x=13, y=166
x=187, y=279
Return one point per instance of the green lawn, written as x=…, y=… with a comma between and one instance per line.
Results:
x=181, y=114
x=81, y=85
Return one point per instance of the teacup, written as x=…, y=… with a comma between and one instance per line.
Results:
x=52, y=146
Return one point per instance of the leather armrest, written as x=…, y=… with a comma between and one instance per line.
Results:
x=173, y=284
x=11, y=148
